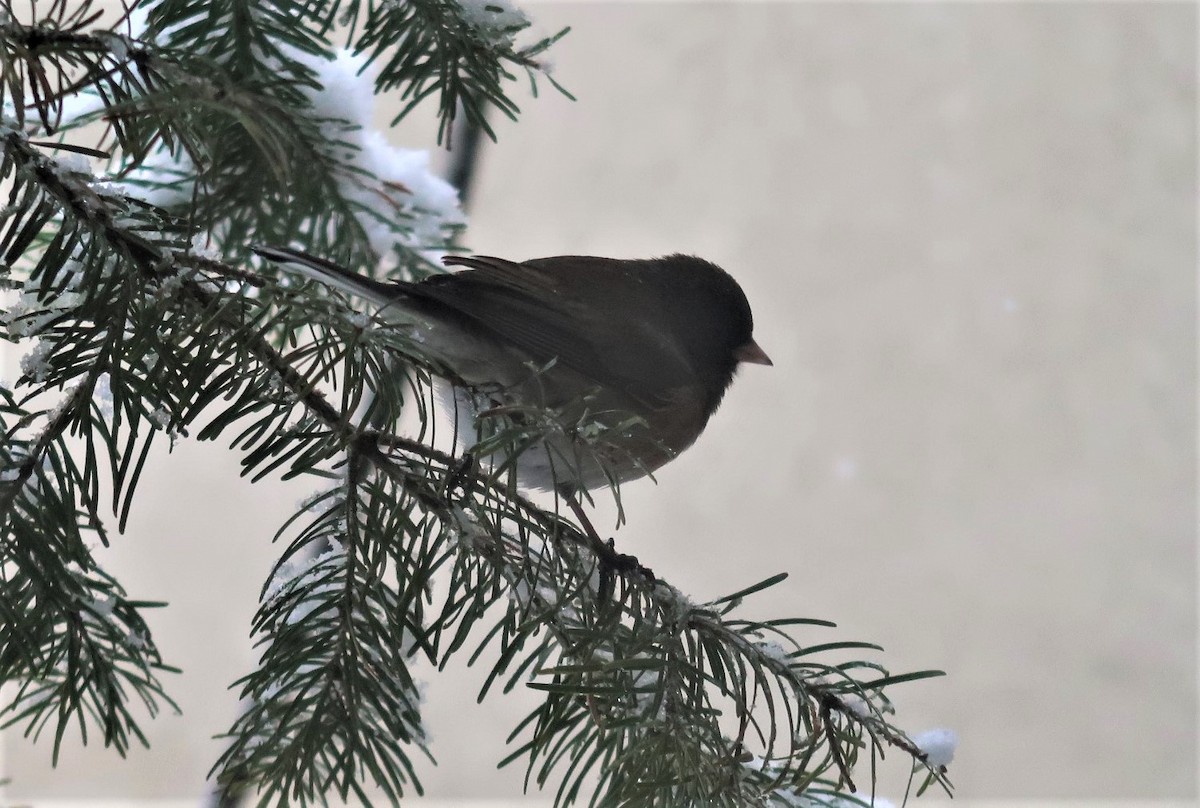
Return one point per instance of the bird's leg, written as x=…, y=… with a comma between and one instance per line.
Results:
x=606, y=551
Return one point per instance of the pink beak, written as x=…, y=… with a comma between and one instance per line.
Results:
x=752, y=354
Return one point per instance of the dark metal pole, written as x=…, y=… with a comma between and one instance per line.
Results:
x=467, y=138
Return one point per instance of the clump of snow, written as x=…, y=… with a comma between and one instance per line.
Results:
x=202, y=247
x=160, y=417
x=118, y=45
x=404, y=202
x=466, y=532
x=302, y=574
x=671, y=596
x=773, y=650
x=938, y=746
x=29, y=314
x=73, y=163
x=857, y=705
x=104, y=607
x=168, y=288
x=756, y=763
x=319, y=501
x=35, y=365
x=407, y=192
x=65, y=404
x=346, y=96
x=24, y=317
x=426, y=201
x=496, y=20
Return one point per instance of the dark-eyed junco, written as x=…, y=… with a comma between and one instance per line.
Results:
x=643, y=350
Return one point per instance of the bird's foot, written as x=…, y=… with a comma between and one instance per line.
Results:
x=462, y=475
x=614, y=564
x=619, y=563
x=610, y=561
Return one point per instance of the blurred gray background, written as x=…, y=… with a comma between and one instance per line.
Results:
x=968, y=232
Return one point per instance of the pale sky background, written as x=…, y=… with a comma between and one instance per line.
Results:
x=968, y=233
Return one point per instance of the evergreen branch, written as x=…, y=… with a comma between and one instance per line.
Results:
x=332, y=705
x=458, y=58
x=88, y=652
x=214, y=116
x=610, y=651
x=59, y=40
x=665, y=701
x=78, y=646
x=55, y=58
x=634, y=676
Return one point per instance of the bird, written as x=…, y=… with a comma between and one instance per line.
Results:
x=632, y=356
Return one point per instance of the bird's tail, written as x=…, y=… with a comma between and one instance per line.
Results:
x=330, y=274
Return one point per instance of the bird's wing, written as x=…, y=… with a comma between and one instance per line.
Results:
x=593, y=324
